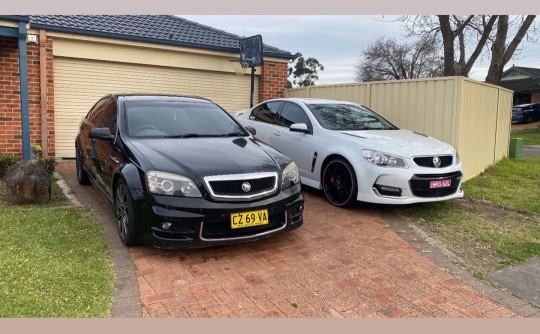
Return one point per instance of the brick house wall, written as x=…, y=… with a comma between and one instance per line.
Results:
x=10, y=104
x=273, y=80
x=535, y=97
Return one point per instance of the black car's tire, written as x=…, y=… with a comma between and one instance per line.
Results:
x=125, y=214
x=82, y=176
x=529, y=119
x=339, y=182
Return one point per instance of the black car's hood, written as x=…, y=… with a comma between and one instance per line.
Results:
x=199, y=157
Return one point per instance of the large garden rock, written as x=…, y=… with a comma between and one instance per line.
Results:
x=28, y=183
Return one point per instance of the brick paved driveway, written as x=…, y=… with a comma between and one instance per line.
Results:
x=341, y=263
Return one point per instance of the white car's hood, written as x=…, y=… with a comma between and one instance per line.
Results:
x=403, y=143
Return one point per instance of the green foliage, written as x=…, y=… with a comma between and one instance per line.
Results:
x=304, y=71
x=48, y=163
x=6, y=162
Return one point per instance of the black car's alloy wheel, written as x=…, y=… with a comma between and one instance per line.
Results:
x=339, y=183
x=125, y=217
x=82, y=176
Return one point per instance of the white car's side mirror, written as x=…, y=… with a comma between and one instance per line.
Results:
x=299, y=127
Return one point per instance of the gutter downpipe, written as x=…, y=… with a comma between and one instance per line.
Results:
x=43, y=92
x=23, y=80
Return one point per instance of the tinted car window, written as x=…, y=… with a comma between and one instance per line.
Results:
x=291, y=114
x=179, y=119
x=92, y=114
x=266, y=112
x=105, y=115
x=348, y=117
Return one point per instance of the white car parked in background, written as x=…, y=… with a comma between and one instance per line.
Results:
x=352, y=153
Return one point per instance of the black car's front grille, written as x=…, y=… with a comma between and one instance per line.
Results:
x=221, y=229
x=445, y=160
x=242, y=186
x=420, y=184
x=234, y=188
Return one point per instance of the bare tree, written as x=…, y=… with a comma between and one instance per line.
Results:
x=472, y=36
x=501, y=53
x=386, y=59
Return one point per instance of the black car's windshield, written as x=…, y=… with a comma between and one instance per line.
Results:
x=179, y=120
x=334, y=116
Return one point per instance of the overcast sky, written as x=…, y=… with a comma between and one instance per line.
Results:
x=336, y=41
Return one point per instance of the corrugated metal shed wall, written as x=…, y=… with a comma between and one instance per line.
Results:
x=80, y=83
x=472, y=116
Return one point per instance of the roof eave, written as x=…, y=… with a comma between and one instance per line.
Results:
x=149, y=40
x=17, y=18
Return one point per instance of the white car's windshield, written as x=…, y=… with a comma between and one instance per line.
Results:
x=348, y=117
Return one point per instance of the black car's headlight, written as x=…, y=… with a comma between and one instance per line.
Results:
x=164, y=183
x=289, y=176
x=384, y=159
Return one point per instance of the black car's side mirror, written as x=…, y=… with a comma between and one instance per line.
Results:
x=299, y=127
x=101, y=133
x=251, y=130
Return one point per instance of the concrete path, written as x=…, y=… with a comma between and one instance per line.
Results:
x=522, y=280
x=531, y=150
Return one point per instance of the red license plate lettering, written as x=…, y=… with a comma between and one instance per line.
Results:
x=440, y=184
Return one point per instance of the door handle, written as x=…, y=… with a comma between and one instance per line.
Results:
x=276, y=133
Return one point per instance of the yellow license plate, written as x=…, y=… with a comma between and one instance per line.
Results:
x=249, y=218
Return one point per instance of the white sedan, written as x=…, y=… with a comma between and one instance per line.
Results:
x=352, y=153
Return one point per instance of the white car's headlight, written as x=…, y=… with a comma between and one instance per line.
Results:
x=457, y=157
x=384, y=159
x=290, y=176
x=163, y=183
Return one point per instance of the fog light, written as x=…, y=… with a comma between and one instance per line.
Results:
x=392, y=189
x=166, y=226
x=388, y=191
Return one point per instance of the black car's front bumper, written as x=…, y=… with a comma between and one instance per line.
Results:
x=198, y=222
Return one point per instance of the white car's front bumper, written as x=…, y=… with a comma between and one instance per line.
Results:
x=384, y=185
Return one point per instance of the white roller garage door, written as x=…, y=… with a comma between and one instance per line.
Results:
x=78, y=84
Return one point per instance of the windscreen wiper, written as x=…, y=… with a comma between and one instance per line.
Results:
x=184, y=135
x=233, y=134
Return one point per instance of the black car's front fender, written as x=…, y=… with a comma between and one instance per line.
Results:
x=134, y=180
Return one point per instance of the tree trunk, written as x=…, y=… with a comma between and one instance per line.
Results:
x=500, y=54
x=448, y=45
x=497, y=52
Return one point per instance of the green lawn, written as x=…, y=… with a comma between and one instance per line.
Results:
x=529, y=136
x=53, y=262
x=497, y=223
x=511, y=183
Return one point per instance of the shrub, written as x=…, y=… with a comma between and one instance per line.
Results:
x=48, y=163
x=6, y=162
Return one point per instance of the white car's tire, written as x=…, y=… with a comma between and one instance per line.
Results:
x=339, y=182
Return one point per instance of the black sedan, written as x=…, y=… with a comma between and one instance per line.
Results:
x=182, y=173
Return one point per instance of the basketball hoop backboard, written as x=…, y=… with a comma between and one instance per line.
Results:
x=251, y=50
